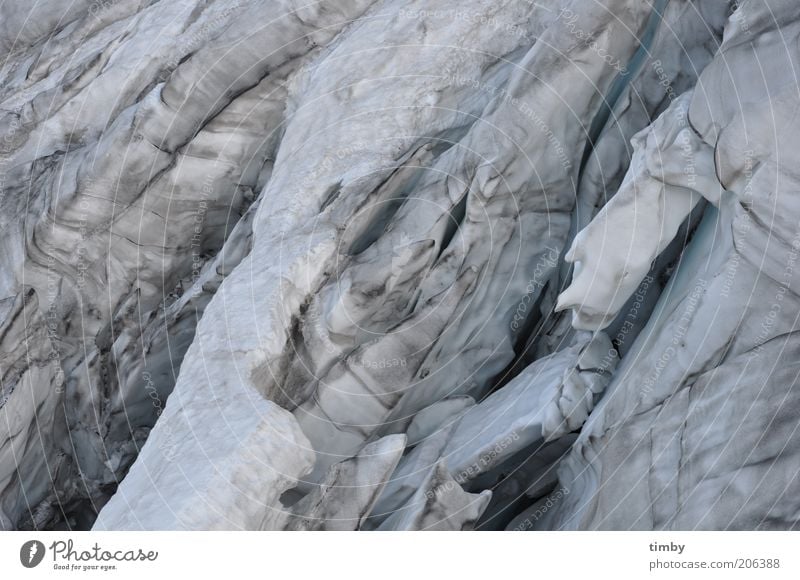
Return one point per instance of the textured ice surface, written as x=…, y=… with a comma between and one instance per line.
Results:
x=402, y=264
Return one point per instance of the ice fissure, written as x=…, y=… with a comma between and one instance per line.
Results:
x=398, y=265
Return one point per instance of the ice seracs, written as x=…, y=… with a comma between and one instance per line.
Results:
x=398, y=265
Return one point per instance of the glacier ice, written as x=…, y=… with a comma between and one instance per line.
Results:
x=398, y=265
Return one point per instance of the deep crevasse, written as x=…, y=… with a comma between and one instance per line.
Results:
x=334, y=237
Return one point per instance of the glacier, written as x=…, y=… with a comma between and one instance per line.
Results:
x=399, y=265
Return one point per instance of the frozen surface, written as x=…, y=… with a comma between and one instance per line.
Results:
x=399, y=264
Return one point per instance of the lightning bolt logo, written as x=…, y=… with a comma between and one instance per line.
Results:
x=31, y=553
